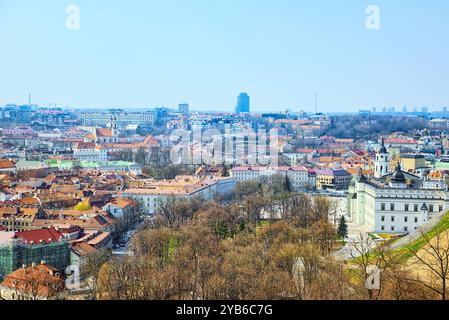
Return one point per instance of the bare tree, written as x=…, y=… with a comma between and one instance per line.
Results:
x=433, y=258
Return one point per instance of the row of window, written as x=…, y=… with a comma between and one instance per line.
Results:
x=393, y=218
x=407, y=207
x=393, y=228
x=15, y=223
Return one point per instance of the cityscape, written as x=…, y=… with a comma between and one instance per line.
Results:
x=155, y=199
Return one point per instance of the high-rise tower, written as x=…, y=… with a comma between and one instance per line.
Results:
x=243, y=103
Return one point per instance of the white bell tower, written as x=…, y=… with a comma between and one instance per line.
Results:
x=382, y=162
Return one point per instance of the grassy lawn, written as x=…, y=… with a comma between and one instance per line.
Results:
x=419, y=243
x=389, y=236
x=414, y=246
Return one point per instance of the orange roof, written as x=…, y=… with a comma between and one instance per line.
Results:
x=85, y=145
x=41, y=280
x=331, y=159
x=29, y=201
x=7, y=164
x=150, y=141
x=123, y=202
x=103, y=132
x=82, y=249
x=97, y=240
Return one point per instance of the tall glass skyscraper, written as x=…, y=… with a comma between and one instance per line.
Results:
x=243, y=102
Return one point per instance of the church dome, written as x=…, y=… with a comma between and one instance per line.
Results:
x=398, y=175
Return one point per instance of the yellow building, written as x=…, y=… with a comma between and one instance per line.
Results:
x=412, y=162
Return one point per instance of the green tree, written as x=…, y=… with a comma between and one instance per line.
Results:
x=287, y=185
x=225, y=172
x=342, y=228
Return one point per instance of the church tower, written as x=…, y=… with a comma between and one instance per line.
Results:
x=113, y=128
x=382, y=162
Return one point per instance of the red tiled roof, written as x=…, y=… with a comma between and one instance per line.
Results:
x=123, y=202
x=305, y=150
x=82, y=249
x=6, y=164
x=42, y=235
x=85, y=145
x=102, y=132
x=41, y=280
x=150, y=141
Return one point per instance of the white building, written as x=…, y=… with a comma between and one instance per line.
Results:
x=152, y=193
x=300, y=178
x=396, y=203
x=123, y=118
x=88, y=151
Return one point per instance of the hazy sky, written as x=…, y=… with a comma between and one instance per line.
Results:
x=146, y=53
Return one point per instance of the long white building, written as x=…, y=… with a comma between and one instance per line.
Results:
x=122, y=118
x=396, y=202
x=88, y=151
x=300, y=178
x=151, y=193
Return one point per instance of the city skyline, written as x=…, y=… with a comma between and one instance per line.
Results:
x=149, y=53
x=376, y=110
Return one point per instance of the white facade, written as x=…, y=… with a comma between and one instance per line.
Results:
x=299, y=177
x=151, y=197
x=123, y=118
x=395, y=207
x=90, y=154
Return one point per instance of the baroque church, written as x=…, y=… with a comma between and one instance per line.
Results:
x=109, y=135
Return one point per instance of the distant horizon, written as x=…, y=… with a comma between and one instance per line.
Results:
x=379, y=110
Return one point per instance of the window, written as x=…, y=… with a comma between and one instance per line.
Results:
x=406, y=229
x=405, y=219
x=431, y=208
x=382, y=206
x=416, y=219
x=392, y=228
x=416, y=208
x=382, y=228
x=383, y=218
x=440, y=208
x=391, y=206
x=392, y=219
x=406, y=207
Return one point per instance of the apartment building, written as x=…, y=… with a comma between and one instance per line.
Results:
x=300, y=178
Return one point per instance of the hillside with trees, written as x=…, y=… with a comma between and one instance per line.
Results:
x=198, y=250
x=370, y=127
